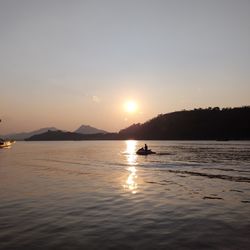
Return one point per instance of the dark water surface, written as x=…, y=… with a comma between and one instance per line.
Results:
x=101, y=195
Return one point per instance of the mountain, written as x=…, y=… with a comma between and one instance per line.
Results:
x=71, y=136
x=57, y=135
x=24, y=135
x=198, y=124
x=86, y=130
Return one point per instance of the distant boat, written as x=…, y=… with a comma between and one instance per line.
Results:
x=142, y=151
x=6, y=144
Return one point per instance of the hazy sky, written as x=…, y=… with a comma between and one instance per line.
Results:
x=67, y=63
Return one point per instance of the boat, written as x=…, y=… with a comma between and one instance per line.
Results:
x=5, y=144
x=142, y=151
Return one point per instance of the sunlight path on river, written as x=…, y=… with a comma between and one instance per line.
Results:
x=131, y=156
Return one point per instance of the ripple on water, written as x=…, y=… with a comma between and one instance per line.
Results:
x=191, y=195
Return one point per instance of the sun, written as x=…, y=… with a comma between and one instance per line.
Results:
x=130, y=106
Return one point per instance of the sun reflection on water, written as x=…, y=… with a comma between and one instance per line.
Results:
x=131, y=183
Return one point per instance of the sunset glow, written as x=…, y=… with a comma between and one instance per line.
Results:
x=124, y=124
x=131, y=106
x=88, y=63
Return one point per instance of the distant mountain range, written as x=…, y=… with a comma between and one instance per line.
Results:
x=24, y=135
x=197, y=124
x=71, y=136
x=84, y=129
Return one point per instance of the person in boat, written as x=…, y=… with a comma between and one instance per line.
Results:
x=146, y=147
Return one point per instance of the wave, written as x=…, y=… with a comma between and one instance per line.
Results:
x=212, y=176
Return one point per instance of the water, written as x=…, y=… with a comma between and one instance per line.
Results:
x=101, y=195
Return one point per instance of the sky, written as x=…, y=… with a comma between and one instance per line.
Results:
x=68, y=63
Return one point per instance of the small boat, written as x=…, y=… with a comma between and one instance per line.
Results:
x=5, y=144
x=142, y=151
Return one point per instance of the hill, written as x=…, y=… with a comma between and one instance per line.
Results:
x=86, y=130
x=71, y=136
x=198, y=124
x=24, y=135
